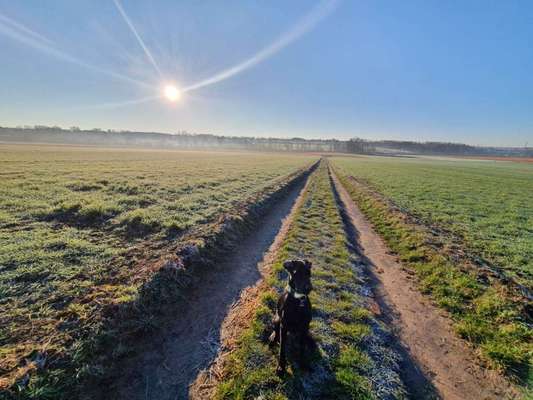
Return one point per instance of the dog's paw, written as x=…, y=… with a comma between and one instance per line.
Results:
x=272, y=339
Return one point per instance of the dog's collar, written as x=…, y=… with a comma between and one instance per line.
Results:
x=295, y=293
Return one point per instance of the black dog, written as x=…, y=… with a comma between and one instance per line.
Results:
x=293, y=314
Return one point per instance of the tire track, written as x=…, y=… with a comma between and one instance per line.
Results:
x=171, y=364
x=425, y=333
x=242, y=311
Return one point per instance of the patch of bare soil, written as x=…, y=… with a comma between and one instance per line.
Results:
x=424, y=331
x=206, y=325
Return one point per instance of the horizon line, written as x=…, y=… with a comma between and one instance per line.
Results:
x=184, y=132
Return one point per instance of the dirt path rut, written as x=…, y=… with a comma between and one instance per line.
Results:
x=241, y=314
x=173, y=361
x=423, y=330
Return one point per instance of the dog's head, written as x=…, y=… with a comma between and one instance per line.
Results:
x=299, y=275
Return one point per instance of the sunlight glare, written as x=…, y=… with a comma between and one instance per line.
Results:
x=172, y=93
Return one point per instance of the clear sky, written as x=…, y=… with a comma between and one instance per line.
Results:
x=451, y=70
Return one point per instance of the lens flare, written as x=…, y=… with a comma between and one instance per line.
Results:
x=172, y=93
x=145, y=48
x=25, y=35
x=320, y=11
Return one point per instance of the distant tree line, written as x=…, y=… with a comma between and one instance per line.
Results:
x=182, y=139
x=444, y=148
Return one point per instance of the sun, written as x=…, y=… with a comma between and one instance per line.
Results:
x=172, y=93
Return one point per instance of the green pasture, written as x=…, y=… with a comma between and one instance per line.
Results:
x=488, y=204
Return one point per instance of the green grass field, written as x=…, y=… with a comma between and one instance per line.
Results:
x=488, y=204
x=82, y=230
x=70, y=217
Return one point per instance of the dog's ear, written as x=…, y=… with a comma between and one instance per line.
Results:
x=289, y=266
x=308, y=264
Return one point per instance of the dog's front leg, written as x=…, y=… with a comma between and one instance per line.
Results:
x=282, y=362
x=304, y=340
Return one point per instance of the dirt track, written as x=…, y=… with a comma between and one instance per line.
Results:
x=432, y=351
x=423, y=330
x=241, y=314
x=170, y=365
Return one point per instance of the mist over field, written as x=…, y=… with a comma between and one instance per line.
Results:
x=184, y=140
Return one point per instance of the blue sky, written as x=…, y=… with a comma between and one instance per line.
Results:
x=457, y=71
